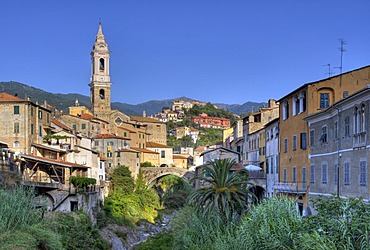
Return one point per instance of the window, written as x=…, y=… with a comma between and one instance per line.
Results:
x=163, y=154
x=96, y=143
x=336, y=174
x=363, y=173
x=346, y=126
x=16, y=110
x=285, y=145
x=32, y=129
x=312, y=137
x=277, y=164
x=47, y=117
x=295, y=105
x=294, y=177
x=312, y=174
x=294, y=142
x=267, y=166
x=346, y=173
x=40, y=130
x=324, y=100
x=272, y=165
x=109, y=164
x=357, y=121
x=31, y=110
x=303, y=105
x=363, y=128
x=101, y=94
x=284, y=175
x=16, y=144
x=303, y=140
x=109, y=154
x=125, y=134
x=304, y=177
x=324, y=173
x=336, y=130
x=118, y=154
x=40, y=114
x=74, y=126
x=345, y=94
x=286, y=110
x=83, y=126
x=16, y=128
x=101, y=64
x=324, y=135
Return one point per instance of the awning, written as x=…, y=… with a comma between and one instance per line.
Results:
x=251, y=167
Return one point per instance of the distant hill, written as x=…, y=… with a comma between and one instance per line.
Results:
x=63, y=101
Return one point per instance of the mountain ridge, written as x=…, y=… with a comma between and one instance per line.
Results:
x=63, y=101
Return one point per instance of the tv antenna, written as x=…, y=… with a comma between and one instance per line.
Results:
x=342, y=50
x=330, y=72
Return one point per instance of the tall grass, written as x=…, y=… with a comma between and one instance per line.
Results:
x=17, y=209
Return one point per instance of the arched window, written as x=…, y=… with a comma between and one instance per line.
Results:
x=363, y=118
x=101, y=64
x=302, y=102
x=16, y=144
x=357, y=121
x=286, y=110
x=296, y=105
x=102, y=94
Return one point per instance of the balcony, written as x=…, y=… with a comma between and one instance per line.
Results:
x=359, y=140
x=291, y=187
x=257, y=175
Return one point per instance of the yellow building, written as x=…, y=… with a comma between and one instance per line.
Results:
x=310, y=98
x=147, y=155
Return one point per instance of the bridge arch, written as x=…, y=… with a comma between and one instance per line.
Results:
x=152, y=174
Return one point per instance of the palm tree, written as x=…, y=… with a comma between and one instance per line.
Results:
x=225, y=191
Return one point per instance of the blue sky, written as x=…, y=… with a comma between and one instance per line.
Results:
x=210, y=50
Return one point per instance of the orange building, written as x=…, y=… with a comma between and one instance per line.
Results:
x=205, y=121
x=310, y=98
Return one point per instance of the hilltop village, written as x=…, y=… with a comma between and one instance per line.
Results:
x=312, y=141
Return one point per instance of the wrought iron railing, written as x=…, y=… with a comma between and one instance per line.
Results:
x=291, y=187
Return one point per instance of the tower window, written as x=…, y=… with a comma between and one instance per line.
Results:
x=102, y=94
x=101, y=64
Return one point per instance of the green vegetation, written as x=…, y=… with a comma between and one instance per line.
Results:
x=129, y=203
x=146, y=165
x=210, y=110
x=24, y=226
x=225, y=191
x=160, y=241
x=209, y=136
x=175, y=191
x=81, y=182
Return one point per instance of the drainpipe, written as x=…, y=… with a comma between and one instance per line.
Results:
x=339, y=155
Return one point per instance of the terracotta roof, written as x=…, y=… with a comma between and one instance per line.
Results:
x=144, y=119
x=60, y=124
x=129, y=130
x=53, y=161
x=179, y=157
x=128, y=150
x=144, y=150
x=200, y=148
x=86, y=116
x=237, y=166
x=156, y=145
x=48, y=148
x=5, y=97
x=110, y=136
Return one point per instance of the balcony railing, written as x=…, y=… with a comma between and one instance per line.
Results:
x=359, y=140
x=291, y=187
x=257, y=175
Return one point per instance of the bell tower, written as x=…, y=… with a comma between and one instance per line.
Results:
x=100, y=77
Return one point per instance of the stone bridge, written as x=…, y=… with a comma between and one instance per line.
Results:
x=152, y=174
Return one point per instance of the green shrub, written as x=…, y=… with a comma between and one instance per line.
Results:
x=192, y=230
x=161, y=241
x=76, y=231
x=81, y=182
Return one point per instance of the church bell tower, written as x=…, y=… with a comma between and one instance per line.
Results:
x=100, y=77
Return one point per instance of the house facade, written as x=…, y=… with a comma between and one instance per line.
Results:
x=339, y=148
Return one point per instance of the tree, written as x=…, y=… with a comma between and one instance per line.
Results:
x=225, y=190
x=122, y=180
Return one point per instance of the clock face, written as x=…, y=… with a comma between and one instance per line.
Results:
x=102, y=78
